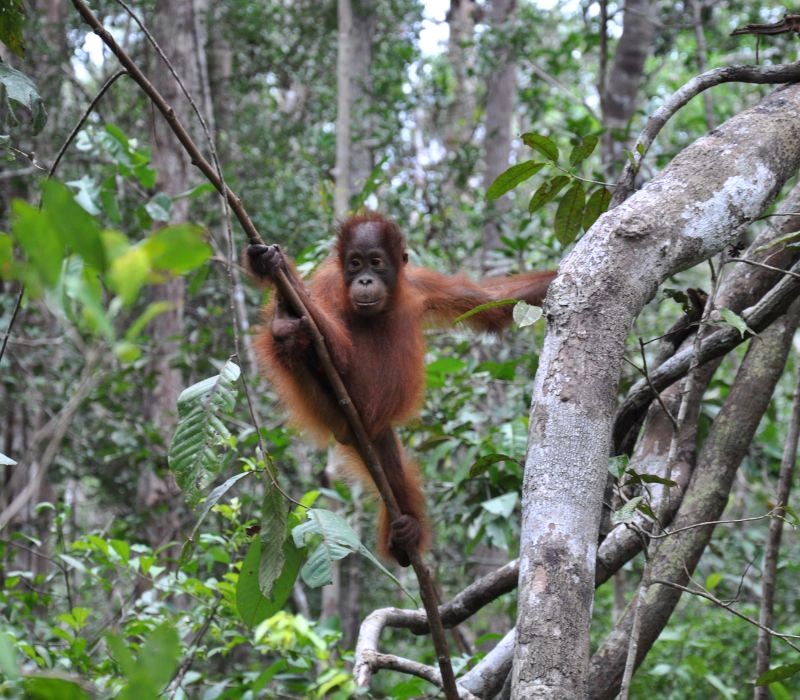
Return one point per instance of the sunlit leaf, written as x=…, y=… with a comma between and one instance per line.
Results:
x=526, y=314
x=177, y=249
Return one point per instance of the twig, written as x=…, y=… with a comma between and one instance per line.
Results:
x=270, y=469
x=292, y=290
x=669, y=533
x=730, y=74
x=704, y=594
x=765, y=266
x=89, y=109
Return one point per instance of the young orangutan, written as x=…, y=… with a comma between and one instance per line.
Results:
x=372, y=307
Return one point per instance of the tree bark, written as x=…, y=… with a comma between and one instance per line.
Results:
x=691, y=211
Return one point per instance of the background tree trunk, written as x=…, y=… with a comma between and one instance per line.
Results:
x=500, y=92
x=621, y=86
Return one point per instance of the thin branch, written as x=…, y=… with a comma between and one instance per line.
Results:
x=89, y=109
x=175, y=684
x=669, y=533
x=727, y=606
x=759, y=75
x=765, y=266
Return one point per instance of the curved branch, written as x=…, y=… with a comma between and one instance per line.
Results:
x=760, y=75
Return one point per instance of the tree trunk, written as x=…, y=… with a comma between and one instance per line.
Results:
x=174, y=27
x=500, y=91
x=461, y=120
x=691, y=211
x=621, y=87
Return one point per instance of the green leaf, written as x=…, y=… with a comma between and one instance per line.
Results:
x=547, y=191
x=128, y=273
x=12, y=21
x=713, y=580
x=778, y=673
x=542, y=144
x=251, y=604
x=526, y=314
x=193, y=453
x=153, y=309
x=483, y=307
x=569, y=214
x=44, y=248
x=156, y=663
x=512, y=177
x=43, y=687
x=584, y=148
x=177, y=249
x=597, y=204
x=733, y=319
x=158, y=207
x=8, y=656
x=338, y=540
x=502, y=506
x=22, y=91
x=617, y=465
x=273, y=533
x=446, y=365
x=636, y=479
x=483, y=463
x=78, y=230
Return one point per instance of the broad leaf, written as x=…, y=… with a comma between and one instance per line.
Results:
x=502, y=506
x=583, y=149
x=526, y=314
x=337, y=540
x=482, y=464
x=597, y=204
x=512, y=177
x=22, y=91
x=569, y=214
x=547, y=191
x=778, y=673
